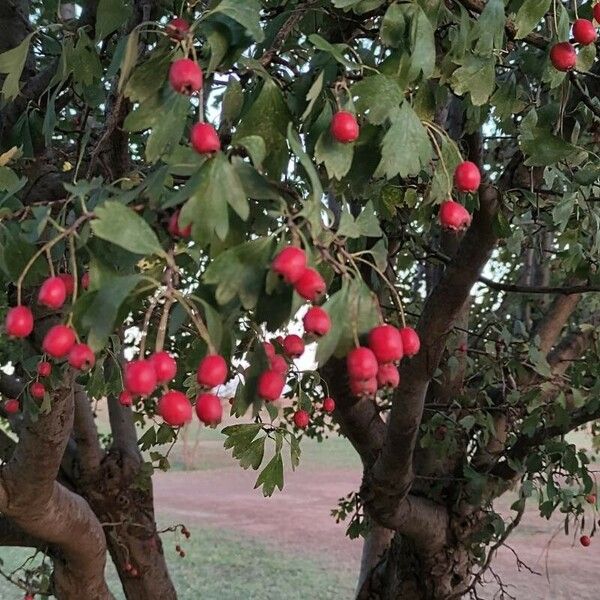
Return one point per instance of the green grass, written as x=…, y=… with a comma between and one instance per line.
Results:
x=221, y=565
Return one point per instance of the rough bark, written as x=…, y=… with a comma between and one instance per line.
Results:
x=33, y=501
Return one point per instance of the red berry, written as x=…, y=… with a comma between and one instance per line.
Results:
x=270, y=386
x=205, y=138
x=278, y=364
x=388, y=376
x=19, y=321
x=591, y=498
x=317, y=321
x=175, y=409
x=174, y=229
x=269, y=350
x=69, y=282
x=28, y=597
x=164, y=365
x=344, y=127
x=81, y=357
x=363, y=387
x=134, y=572
x=37, y=390
x=11, y=406
x=53, y=293
x=209, y=409
x=301, y=419
x=212, y=371
x=44, y=369
x=386, y=343
x=563, y=56
x=454, y=216
x=185, y=76
x=58, y=341
x=361, y=364
x=440, y=433
x=329, y=405
x=467, y=177
x=596, y=11
x=177, y=28
x=410, y=341
x=85, y=280
x=310, y=285
x=140, y=377
x=293, y=346
x=127, y=567
x=585, y=540
x=125, y=398
x=290, y=264
x=584, y=32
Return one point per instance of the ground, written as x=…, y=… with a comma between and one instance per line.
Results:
x=288, y=546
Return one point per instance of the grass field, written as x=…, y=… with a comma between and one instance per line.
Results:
x=224, y=566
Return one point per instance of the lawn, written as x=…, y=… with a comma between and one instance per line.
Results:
x=224, y=566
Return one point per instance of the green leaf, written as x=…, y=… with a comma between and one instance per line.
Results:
x=233, y=100
x=130, y=58
x=11, y=64
x=406, y=147
x=353, y=311
x=98, y=318
x=529, y=15
x=336, y=157
x=490, y=27
x=336, y=51
x=422, y=44
x=271, y=476
x=246, y=13
x=313, y=207
x=148, y=77
x=393, y=26
x=377, y=97
x=111, y=14
x=255, y=146
x=476, y=76
x=543, y=148
x=268, y=117
x=240, y=272
x=168, y=127
x=366, y=224
x=218, y=185
x=122, y=226
x=313, y=94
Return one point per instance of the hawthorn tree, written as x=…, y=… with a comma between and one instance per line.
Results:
x=179, y=179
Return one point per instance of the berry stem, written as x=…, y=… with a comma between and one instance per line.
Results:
x=146, y=324
x=395, y=295
x=200, y=326
x=46, y=247
x=431, y=131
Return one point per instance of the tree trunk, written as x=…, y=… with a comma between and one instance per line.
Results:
x=122, y=498
x=405, y=573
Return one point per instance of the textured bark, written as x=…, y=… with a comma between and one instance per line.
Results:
x=127, y=510
x=406, y=573
x=42, y=508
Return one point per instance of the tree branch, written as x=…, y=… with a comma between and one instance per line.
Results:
x=549, y=327
x=32, y=499
x=542, y=289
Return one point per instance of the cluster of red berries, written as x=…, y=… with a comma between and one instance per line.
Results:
x=374, y=367
x=59, y=342
x=563, y=55
x=186, y=77
x=292, y=266
x=467, y=179
x=143, y=376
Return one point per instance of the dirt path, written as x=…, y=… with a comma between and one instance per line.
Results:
x=298, y=519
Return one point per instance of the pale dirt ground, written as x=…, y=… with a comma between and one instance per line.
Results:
x=298, y=520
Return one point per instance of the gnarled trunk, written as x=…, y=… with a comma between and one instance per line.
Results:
x=405, y=573
x=123, y=500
